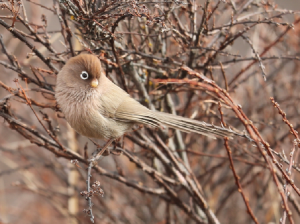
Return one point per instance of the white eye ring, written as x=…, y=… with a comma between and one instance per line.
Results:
x=84, y=75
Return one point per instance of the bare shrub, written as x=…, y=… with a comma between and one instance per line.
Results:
x=225, y=62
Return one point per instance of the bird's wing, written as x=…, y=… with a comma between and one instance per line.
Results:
x=132, y=111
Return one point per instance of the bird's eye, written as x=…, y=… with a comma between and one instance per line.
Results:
x=84, y=75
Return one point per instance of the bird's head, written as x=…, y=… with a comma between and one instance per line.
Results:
x=81, y=72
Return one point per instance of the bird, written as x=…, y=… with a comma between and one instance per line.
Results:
x=97, y=108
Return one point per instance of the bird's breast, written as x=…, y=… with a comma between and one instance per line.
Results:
x=85, y=112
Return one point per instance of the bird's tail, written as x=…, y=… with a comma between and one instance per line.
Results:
x=190, y=125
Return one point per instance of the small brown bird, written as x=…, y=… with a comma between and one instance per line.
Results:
x=97, y=108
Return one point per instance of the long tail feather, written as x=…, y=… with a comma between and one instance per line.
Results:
x=190, y=125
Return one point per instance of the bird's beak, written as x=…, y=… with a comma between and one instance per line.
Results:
x=94, y=83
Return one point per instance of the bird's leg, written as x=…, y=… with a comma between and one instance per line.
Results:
x=113, y=150
x=117, y=143
x=98, y=155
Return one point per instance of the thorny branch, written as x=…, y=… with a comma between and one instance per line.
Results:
x=172, y=56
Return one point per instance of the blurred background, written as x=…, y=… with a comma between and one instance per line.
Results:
x=249, y=48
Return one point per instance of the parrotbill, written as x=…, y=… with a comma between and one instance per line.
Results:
x=97, y=108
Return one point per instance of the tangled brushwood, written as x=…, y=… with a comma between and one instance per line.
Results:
x=228, y=63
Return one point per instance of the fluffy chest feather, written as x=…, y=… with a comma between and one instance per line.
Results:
x=91, y=113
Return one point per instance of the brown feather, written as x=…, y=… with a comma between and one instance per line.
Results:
x=107, y=111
